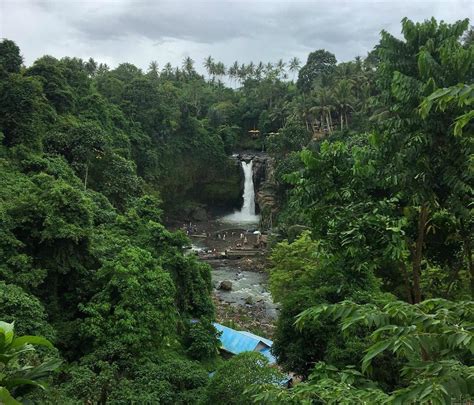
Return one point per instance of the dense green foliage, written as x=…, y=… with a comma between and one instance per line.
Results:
x=85, y=259
x=388, y=206
x=373, y=175
x=232, y=382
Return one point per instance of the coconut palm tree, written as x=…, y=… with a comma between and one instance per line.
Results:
x=153, y=69
x=324, y=106
x=208, y=65
x=294, y=66
x=251, y=69
x=242, y=72
x=344, y=100
x=280, y=66
x=259, y=70
x=167, y=70
x=268, y=68
x=231, y=72
x=220, y=69
x=188, y=65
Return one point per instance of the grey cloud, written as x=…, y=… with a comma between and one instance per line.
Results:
x=139, y=31
x=203, y=22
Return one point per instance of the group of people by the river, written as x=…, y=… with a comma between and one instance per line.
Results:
x=224, y=240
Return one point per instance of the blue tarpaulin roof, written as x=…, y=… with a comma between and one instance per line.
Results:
x=271, y=358
x=268, y=342
x=235, y=342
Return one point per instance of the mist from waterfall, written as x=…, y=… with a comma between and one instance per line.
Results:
x=247, y=213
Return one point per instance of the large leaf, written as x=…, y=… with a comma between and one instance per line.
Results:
x=6, y=398
x=373, y=351
x=6, y=329
x=33, y=340
x=43, y=370
x=15, y=382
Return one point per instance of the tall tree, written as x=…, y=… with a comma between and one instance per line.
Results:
x=188, y=65
x=294, y=66
x=431, y=161
x=10, y=58
x=318, y=67
x=209, y=66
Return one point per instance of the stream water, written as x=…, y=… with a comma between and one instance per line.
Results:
x=248, y=288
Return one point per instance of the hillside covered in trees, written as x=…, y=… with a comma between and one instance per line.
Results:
x=371, y=263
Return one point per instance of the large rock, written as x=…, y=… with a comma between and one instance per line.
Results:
x=225, y=285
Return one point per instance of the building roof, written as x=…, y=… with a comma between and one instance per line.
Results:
x=268, y=342
x=235, y=342
x=268, y=354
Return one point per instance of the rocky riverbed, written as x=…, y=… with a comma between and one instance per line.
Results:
x=240, y=292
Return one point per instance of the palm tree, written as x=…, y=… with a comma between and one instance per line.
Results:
x=167, y=70
x=344, y=100
x=251, y=69
x=324, y=106
x=153, y=69
x=268, y=68
x=281, y=67
x=103, y=68
x=188, y=65
x=259, y=70
x=208, y=64
x=242, y=72
x=220, y=69
x=233, y=71
x=294, y=66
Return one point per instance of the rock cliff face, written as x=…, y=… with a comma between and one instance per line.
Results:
x=265, y=186
x=265, y=189
x=225, y=191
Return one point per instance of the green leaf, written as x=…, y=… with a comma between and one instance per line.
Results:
x=15, y=382
x=33, y=340
x=373, y=351
x=6, y=329
x=6, y=398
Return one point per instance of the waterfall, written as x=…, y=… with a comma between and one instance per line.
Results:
x=249, y=192
x=247, y=213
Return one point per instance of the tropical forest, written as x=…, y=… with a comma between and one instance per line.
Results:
x=290, y=231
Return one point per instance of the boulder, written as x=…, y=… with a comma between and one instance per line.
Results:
x=225, y=285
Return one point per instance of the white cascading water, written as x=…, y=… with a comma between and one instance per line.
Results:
x=247, y=212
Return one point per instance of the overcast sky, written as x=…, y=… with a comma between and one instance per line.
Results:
x=115, y=31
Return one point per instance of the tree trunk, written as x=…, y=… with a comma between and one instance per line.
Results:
x=328, y=123
x=342, y=120
x=85, y=176
x=418, y=253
